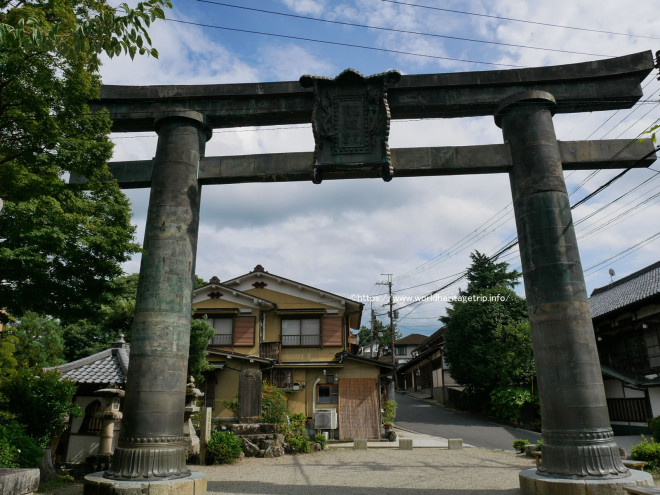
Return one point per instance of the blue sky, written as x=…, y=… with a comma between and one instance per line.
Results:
x=342, y=236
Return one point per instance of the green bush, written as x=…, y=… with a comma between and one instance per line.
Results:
x=17, y=449
x=539, y=446
x=654, y=426
x=273, y=405
x=295, y=433
x=519, y=444
x=321, y=440
x=507, y=402
x=223, y=448
x=647, y=451
x=389, y=412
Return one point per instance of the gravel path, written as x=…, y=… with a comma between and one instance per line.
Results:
x=373, y=472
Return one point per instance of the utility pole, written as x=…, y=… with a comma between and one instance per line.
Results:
x=390, y=386
x=390, y=313
x=373, y=329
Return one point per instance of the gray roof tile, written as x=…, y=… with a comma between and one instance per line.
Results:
x=632, y=289
x=103, y=368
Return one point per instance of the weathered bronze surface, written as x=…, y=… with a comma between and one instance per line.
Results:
x=578, y=441
x=151, y=442
x=590, y=86
x=351, y=122
x=409, y=162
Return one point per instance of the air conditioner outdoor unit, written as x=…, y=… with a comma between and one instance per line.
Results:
x=325, y=419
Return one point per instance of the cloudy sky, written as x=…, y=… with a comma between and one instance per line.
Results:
x=344, y=236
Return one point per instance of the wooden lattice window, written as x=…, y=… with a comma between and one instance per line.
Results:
x=91, y=425
x=282, y=378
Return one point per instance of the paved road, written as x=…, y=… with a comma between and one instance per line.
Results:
x=433, y=419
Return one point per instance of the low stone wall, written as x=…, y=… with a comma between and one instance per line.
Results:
x=259, y=439
x=18, y=481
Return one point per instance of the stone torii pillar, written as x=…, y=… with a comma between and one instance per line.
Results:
x=151, y=442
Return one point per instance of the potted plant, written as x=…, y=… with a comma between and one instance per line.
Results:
x=389, y=414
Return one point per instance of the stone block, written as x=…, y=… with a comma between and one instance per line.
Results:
x=96, y=484
x=405, y=444
x=533, y=484
x=18, y=481
x=455, y=443
x=360, y=444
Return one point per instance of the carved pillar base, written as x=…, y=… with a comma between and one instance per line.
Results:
x=581, y=454
x=148, y=458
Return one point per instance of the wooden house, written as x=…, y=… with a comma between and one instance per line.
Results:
x=300, y=338
x=626, y=319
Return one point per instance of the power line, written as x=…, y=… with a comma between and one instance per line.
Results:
x=513, y=19
x=393, y=30
x=349, y=45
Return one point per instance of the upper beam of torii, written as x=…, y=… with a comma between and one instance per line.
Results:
x=468, y=94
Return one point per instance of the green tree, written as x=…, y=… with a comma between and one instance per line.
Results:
x=41, y=401
x=200, y=334
x=61, y=243
x=381, y=333
x=484, y=273
x=483, y=334
x=39, y=341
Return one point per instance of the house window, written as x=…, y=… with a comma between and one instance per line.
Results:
x=91, y=425
x=282, y=378
x=223, y=331
x=301, y=332
x=328, y=394
x=400, y=350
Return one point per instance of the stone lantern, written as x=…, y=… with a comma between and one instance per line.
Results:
x=192, y=394
x=109, y=413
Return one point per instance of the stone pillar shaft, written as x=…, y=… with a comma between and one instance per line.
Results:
x=577, y=436
x=151, y=443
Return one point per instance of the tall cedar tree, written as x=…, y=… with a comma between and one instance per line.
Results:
x=60, y=244
x=487, y=346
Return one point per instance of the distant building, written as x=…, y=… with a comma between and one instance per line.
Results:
x=404, y=347
x=626, y=318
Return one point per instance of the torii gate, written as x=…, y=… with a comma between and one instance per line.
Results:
x=578, y=439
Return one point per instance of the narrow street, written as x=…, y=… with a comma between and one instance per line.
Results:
x=433, y=419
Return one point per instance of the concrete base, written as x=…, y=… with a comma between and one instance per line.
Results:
x=533, y=484
x=455, y=443
x=96, y=484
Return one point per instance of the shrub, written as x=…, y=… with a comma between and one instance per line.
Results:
x=539, y=445
x=273, y=405
x=654, y=426
x=223, y=448
x=389, y=412
x=295, y=433
x=647, y=451
x=519, y=444
x=321, y=440
x=17, y=449
x=507, y=402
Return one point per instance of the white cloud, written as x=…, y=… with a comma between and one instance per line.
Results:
x=342, y=235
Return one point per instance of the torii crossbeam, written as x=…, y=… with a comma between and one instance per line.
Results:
x=578, y=439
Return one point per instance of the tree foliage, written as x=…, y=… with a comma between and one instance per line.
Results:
x=39, y=341
x=41, y=401
x=200, y=334
x=61, y=243
x=484, y=273
x=381, y=334
x=488, y=341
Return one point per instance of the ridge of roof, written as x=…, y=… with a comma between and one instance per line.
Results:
x=632, y=289
x=260, y=270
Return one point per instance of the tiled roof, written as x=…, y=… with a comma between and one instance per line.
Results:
x=632, y=289
x=412, y=339
x=103, y=368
